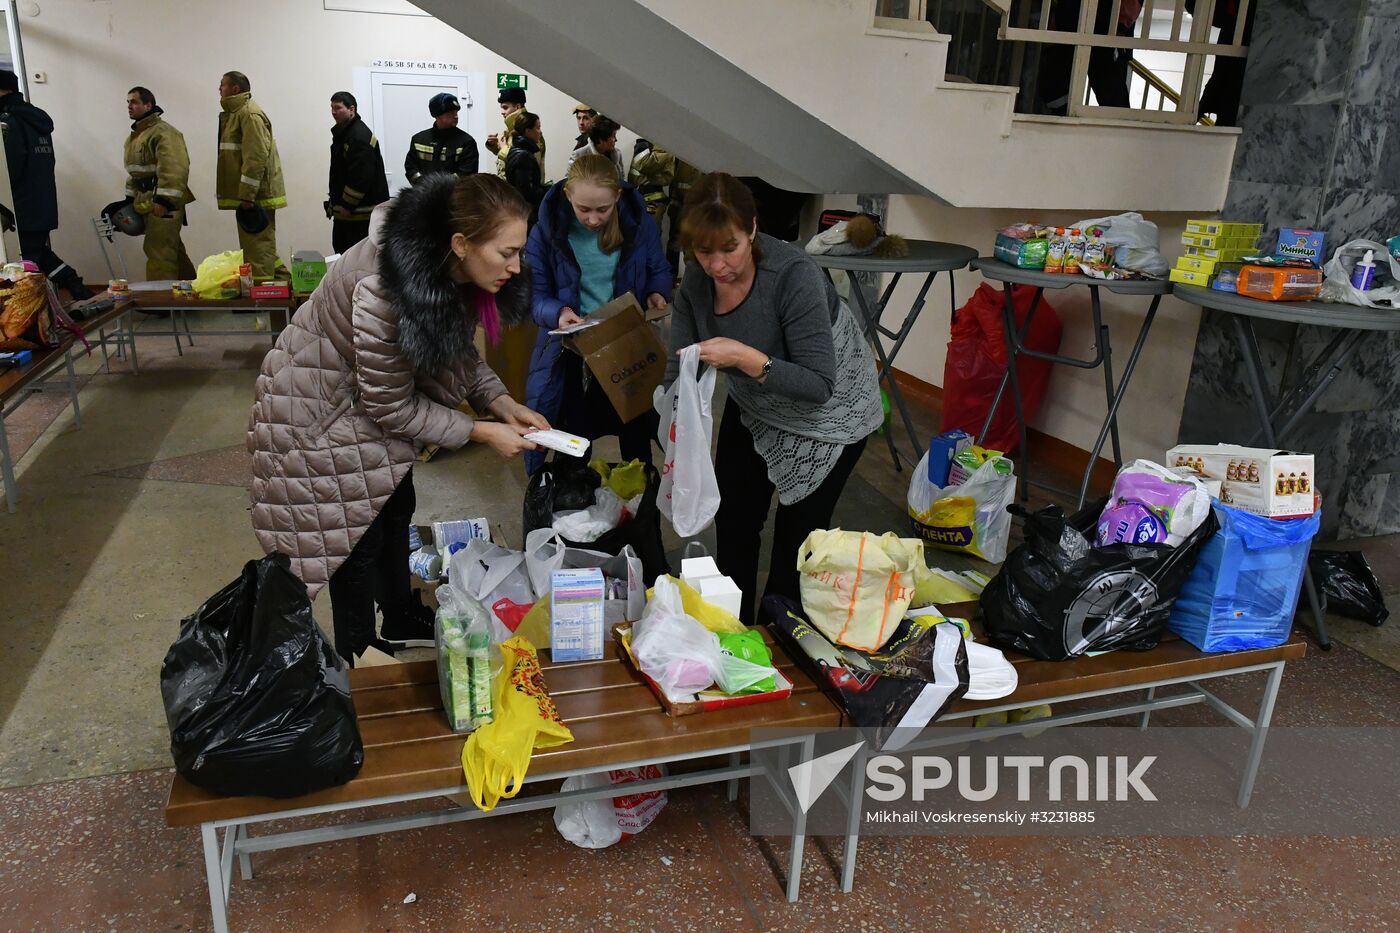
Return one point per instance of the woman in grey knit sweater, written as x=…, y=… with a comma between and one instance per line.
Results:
x=803, y=395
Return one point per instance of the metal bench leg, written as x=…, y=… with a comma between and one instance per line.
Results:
x=732, y=786
x=1261, y=730
x=799, y=831
x=855, y=799
x=73, y=388
x=7, y=468
x=245, y=861
x=175, y=316
x=131, y=339
x=213, y=870
x=102, y=342
x=1147, y=713
x=185, y=320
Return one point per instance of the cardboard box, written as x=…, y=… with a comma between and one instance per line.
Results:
x=576, y=615
x=624, y=353
x=308, y=269
x=1272, y=483
x=273, y=289
x=1218, y=241
x=1232, y=254
x=1294, y=243
x=1189, y=277
x=1223, y=228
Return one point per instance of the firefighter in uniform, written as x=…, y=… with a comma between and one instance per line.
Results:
x=158, y=174
x=512, y=101
x=653, y=170
x=442, y=147
x=249, y=177
x=684, y=175
x=357, y=181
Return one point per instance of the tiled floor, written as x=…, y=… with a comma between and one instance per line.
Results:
x=128, y=524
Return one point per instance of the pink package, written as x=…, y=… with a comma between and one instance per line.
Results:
x=1131, y=523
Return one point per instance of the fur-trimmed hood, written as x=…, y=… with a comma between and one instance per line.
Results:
x=437, y=316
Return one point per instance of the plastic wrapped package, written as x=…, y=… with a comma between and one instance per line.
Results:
x=464, y=659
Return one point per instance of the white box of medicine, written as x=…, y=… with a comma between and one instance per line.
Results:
x=576, y=615
x=695, y=569
x=722, y=592
x=1272, y=483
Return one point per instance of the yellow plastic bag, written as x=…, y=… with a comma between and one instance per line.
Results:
x=626, y=479
x=707, y=614
x=497, y=755
x=217, y=274
x=856, y=586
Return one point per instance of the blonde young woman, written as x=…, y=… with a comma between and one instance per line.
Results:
x=593, y=242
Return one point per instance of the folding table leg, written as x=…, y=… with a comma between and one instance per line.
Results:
x=1261, y=731
x=1115, y=393
x=73, y=387
x=799, y=831
x=7, y=469
x=1254, y=371
x=213, y=870
x=1009, y=327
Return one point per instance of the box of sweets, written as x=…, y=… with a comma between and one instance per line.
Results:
x=1272, y=483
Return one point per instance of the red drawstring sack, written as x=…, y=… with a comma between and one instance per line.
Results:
x=977, y=360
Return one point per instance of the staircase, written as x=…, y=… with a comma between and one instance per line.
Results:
x=825, y=96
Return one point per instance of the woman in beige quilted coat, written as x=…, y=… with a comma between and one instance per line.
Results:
x=373, y=367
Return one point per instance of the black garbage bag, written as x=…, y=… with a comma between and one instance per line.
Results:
x=1058, y=596
x=642, y=531
x=257, y=701
x=1349, y=584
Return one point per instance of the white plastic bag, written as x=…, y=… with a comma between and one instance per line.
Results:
x=489, y=573
x=1135, y=242
x=970, y=518
x=1338, y=287
x=605, y=514
x=689, y=494
x=671, y=648
x=545, y=553
x=603, y=821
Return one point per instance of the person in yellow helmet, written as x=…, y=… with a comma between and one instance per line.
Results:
x=158, y=174
x=249, y=177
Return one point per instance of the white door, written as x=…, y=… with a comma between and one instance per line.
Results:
x=400, y=109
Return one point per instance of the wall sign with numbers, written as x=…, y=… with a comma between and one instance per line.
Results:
x=415, y=64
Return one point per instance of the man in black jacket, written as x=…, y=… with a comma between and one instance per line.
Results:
x=357, y=181
x=28, y=135
x=442, y=147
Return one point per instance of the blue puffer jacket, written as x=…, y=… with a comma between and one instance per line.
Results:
x=642, y=269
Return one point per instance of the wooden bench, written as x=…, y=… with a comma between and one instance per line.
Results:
x=18, y=385
x=1173, y=665
x=410, y=754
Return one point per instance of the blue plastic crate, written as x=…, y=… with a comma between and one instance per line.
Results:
x=1244, y=589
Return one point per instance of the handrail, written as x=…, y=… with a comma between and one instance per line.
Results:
x=1155, y=82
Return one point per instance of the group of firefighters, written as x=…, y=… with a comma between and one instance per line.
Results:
x=249, y=178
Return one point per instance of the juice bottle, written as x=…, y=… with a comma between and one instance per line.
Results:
x=1055, y=251
x=1074, y=250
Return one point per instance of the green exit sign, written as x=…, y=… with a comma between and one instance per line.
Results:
x=505, y=80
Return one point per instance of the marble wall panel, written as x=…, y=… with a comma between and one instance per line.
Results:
x=1286, y=143
x=1301, y=52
